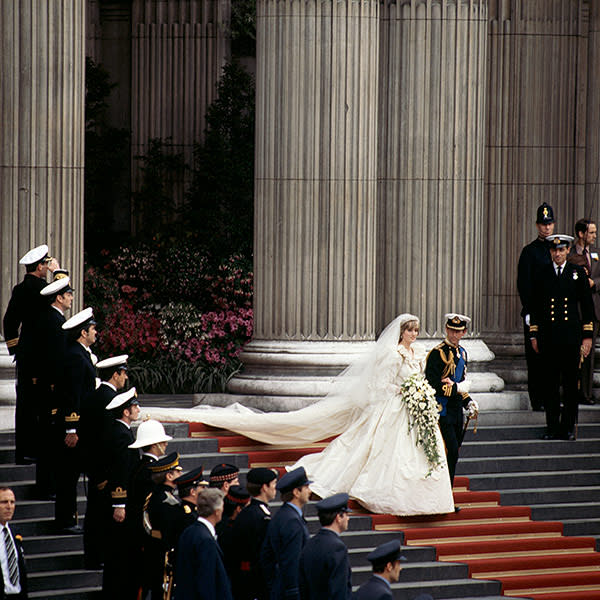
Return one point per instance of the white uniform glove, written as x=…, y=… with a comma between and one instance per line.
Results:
x=463, y=387
x=472, y=409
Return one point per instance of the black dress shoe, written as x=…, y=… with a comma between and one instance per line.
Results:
x=73, y=530
x=587, y=401
x=538, y=409
x=456, y=509
x=548, y=436
x=570, y=437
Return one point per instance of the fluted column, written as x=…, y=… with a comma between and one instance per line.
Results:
x=315, y=184
x=431, y=158
x=41, y=144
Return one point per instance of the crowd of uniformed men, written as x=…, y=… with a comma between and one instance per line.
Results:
x=154, y=531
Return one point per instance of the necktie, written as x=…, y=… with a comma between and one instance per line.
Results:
x=587, y=257
x=11, y=557
x=558, y=271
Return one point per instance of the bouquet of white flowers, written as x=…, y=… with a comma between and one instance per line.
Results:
x=423, y=415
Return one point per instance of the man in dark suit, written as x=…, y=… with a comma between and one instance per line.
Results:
x=533, y=257
x=79, y=380
x=13, y=571
x=584, y=254
x=249, y=531
x=23, y=310
x=561, y=331
x=94, y=427
x=286, y=537
x=386, y=561
x=120, y=551
x=200, y=573
x=324, y=565
x=52, y=345
x=445, y=370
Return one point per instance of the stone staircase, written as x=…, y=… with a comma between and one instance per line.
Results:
x=505, y=460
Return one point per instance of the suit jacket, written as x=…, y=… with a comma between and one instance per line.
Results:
x=94, y=426
x=249, y=532
x=286, y=537
x=325, y=568
x=592, y=271
x=562, y=309
x=24, y=307
x=199, y=573
x=533, y=257
x=441, y=363
x=52, y=346
x=79, y=380
x=374, y=589
x=22, y=569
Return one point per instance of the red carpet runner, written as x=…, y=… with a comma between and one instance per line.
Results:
x=530, y=558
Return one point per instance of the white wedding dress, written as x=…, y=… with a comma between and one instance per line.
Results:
x=375, y=458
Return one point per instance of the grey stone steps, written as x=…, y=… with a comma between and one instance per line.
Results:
x=456, y=588
x=540, y=479
x=57, y=561
x=513, y=464
x=559, y=495
x=482, y=449
x=358, y=555
x=48, y=544
x=84, y=593
x=585, y=527
x=562, y=512
x=418, y=572
x=55, y=580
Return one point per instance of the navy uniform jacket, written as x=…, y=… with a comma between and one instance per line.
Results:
x=325, y=568
x=199, y=573
x=140, y=486
x=562, y=311
x=249, y=531
x=22, y=569
x=52, y=345
x=533, y=257
x=374, y=589
x=94, y=427
x=79, y=380
x=286, y=537
x=24, y=307
x=121, y=461
x=441, y=363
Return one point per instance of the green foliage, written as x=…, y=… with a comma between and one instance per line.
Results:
x=106, y=157
x=243, y=27
x=220, y=198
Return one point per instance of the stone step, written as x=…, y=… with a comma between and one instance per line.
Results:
x=560, y=495
x=48, y=544
x=545, y=479
x=56, y=561
x=424, y=572
x=562, y=512
x=457, y=588
x=55, y=580
x=516, y=464
x=84, y=593
x=481, y=448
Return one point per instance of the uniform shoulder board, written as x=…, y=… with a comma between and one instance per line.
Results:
x=170, y=499
x=187, y=510
x=265, y=510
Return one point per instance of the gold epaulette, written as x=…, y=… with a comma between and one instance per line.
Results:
x=119, y=494
x=72, y=418
x=187, y=510
x=12, y=343
x=588, y=327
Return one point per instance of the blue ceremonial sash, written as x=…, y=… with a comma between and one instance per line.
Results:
x=458, y=375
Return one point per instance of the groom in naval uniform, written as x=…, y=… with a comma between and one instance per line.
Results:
x=445, y=370
x=561, y=330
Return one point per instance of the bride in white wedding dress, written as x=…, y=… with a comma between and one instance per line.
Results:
x=375, y=458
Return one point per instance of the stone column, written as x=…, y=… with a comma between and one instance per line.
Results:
x=42, y=92
x=431, y=159
x=315, y=192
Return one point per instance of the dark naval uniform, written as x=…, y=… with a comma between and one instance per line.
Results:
x=286, y=537
x=122, y=559
x=23, y=310
x=249, y=531
x=446, y=360
x=325, y=568
x=93, y=430
x=161, y=514
x=79, y=380
x=53, y=347
x=200, y=573
x=376, y=588
x=533, y=257
x=562, y=315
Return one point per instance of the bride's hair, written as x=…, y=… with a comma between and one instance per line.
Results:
x=413, y=324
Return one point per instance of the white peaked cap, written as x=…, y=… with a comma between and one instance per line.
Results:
x=81, y=317
x=34, y=255
x=113, y=361
x=56, y=286
x=150, y=432
x=121, y=399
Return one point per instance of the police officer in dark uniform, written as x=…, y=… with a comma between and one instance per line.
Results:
x=161, y=514
x=52, y=350
x=120, y=461
x=445, y=370
x=24, y=308
x=286, y=537
x=249, y=531
x=533, y=257
x=94, y=426
x=561, y=330
x=386, y=561
x=189, y=485
x=324, y=565
x=79, y=380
